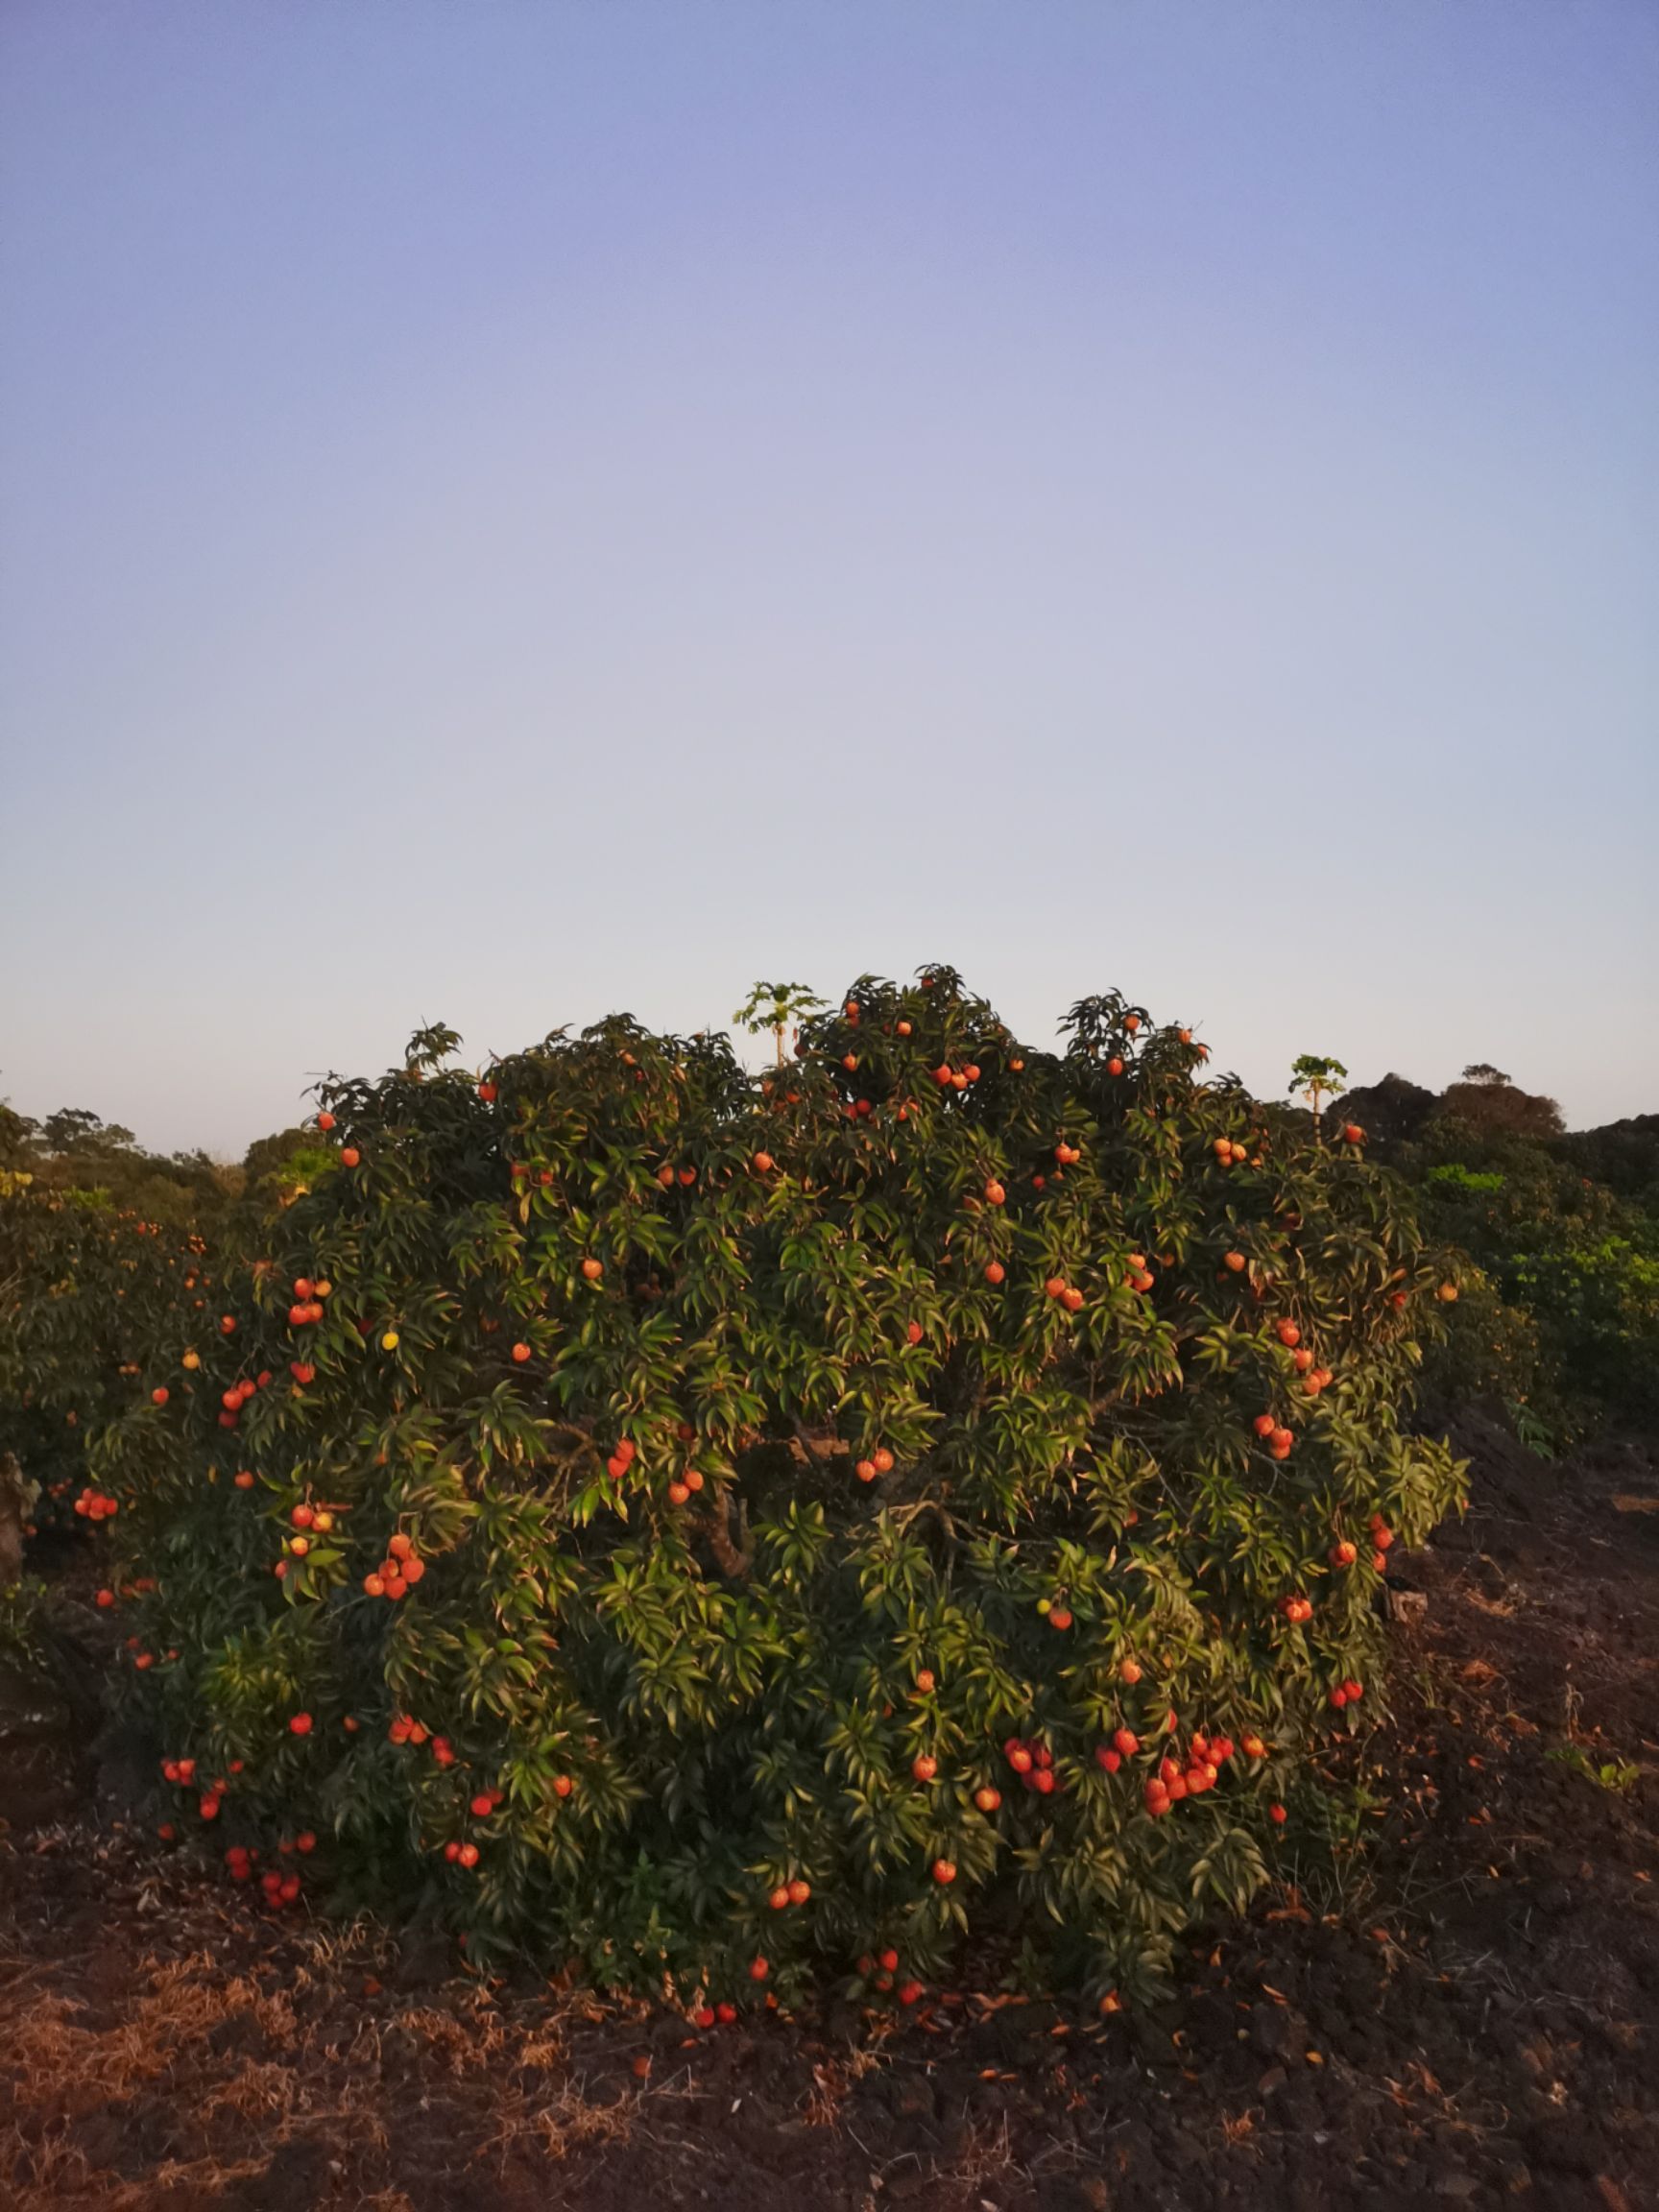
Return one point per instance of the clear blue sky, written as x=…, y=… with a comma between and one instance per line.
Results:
x=509, y=511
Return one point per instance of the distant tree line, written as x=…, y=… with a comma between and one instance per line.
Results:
x=74, y=1149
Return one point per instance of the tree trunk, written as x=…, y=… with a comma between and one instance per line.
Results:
x=14, y=1507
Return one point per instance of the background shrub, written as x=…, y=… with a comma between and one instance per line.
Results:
x=1559, y=1319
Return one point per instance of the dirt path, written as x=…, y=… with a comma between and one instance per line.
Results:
x=1465, y=2015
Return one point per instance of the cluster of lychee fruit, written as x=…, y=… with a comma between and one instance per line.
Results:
x=398, y=1572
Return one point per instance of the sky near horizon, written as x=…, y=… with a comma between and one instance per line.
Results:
x=515, y=510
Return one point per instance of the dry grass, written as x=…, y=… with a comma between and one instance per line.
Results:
x=227, y=2063
x=553, y=2127
x=987, y=2162
x=48, y=2044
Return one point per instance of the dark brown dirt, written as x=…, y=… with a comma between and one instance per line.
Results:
x=1463, y=2014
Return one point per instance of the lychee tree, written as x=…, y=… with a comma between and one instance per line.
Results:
x=725, y=1532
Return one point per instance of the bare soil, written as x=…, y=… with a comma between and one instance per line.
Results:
x=1464, y=2013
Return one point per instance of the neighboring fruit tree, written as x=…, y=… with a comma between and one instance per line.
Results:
x=723, y=1532
x=92, y=1297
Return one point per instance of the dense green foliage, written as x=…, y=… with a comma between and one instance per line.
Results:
x=626, y=1490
